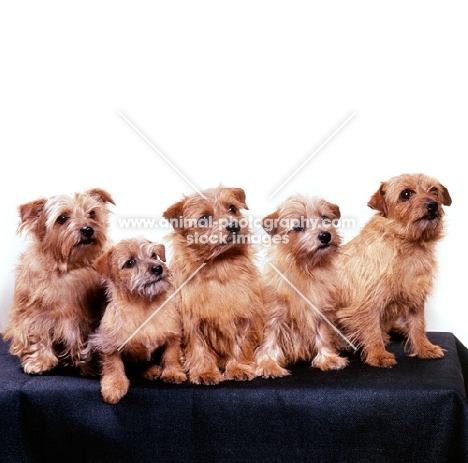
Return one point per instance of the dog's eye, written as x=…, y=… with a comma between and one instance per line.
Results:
x=298, y=228
x=92, y=215
x=434, y=190
x=232, y=208
x=61, y=219
x=154, y=256
x=130, y=263
x=298, y=225
x=325, y=218
x=204, y=220
x=405, y=195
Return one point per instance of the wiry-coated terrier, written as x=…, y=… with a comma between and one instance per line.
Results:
x=58, y=296
x=222, y=301
x=300, y=294
x=141, y=316
x=388, y=268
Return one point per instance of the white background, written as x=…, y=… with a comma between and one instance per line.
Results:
x=239, y=93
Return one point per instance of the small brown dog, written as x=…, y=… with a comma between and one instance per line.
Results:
x=300, y=272
x=388, y=269
x=141, y=316
x=222, y=301
x=58, y=296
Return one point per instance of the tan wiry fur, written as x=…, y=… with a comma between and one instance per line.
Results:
x=58, y=295
x=222, y=304
x=304, y=254
x=141, y=316
x=387, y=270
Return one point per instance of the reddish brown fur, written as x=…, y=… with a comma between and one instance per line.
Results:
x=294, y=330
x=58, y=295
x=135, y=322
x=222, y=304
x=387, y=270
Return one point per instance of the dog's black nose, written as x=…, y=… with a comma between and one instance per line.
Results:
x=233, y=227
x=87, y=231
x=324, y=237
x=157, y=269
x=432, y=206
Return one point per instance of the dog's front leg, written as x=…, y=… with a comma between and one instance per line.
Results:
x=114, y=382
x=417, y=344
x=171, y=362
x=269, y=356
x=367, y=326
x=36, y=352
x=200, y=361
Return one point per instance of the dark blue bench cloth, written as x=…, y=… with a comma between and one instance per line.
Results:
x=414, y=412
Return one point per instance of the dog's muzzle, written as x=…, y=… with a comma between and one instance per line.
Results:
x=324, y=237
x=87, y=231
x=156, y=270
x=432, y=208
x=233, y=227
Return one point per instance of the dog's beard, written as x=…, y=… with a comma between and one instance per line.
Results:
x=150, y=287
x=210, y=244
x=74, y=248
x=426, y=228
x=309, y=252
x=314, y=256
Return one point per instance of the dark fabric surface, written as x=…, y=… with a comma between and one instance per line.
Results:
x=414, y=412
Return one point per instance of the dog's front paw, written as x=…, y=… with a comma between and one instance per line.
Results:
x=329, y=362
x=239, y=372
x=174, y=376
x=382, y=359
x=206, y=378
x=113, y=388
x=429, y=351
x=152, y=372
x=271, y=369
x=38, y=364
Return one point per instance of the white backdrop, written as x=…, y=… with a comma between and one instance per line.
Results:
x=239, y=93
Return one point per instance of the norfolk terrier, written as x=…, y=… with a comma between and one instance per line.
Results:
x=141, y=316
x=387, y=270
x=221, y=286
x=58, y=296
x=300, y=292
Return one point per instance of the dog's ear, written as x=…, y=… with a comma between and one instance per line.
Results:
x=174, y=213
x=160, y=251
x=446, y=199
x=32, y=217
x=101, y=195
x=270, y=223
x=102, y=264
x=377, y=201
x=335, y=210
x=239, y=194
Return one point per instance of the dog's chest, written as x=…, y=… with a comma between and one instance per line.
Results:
x=413, y=272
x=69, y=291
x=219, y=296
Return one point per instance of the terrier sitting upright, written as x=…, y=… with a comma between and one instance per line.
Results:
x=387, y=270
x=300, y=281
x=222, y=293
x=141, y=316
x=58, y=296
